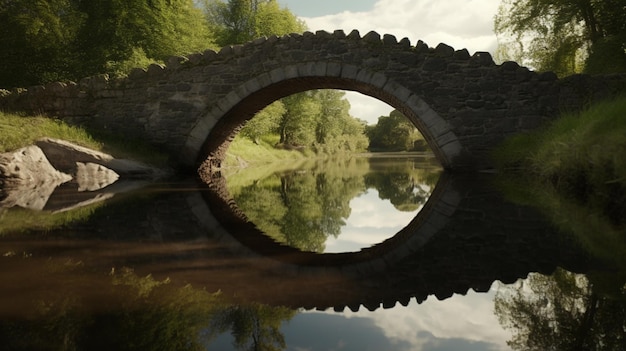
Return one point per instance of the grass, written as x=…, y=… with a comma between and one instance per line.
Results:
x=18, y=131
x=581, y=155
x=243, y=151
x=574, y=171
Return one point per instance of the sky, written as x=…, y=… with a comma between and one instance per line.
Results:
x=459, y=23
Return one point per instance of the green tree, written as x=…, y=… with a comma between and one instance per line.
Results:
x=393, y=133
x=297, y=127
x=267, y=121
x=47, y=40
x=36, y=37
x=240, y=21
x=117, y=31
x=335, y=129
x=563, y=36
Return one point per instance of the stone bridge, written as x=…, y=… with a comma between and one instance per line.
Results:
x=463, y=104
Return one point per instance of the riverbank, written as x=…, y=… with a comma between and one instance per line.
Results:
x=18, y=131
x=574, y=170
x=41, y=158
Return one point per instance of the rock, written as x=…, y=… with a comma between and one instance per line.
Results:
x=27, y=178
x=30, y=176
x=64, y=156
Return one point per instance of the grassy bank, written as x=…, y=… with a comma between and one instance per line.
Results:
x=574, y=170
x=18, y=131
x=582, y=156
x=242, y=152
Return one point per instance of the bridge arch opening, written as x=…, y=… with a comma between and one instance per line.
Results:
x=211, y=137
x=215, y=131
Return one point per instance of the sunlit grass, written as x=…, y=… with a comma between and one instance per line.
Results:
x=243, y=151
x=19, y=131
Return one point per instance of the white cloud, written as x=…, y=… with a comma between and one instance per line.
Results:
x=366, y=107
x=462, y=24
x=459, y=23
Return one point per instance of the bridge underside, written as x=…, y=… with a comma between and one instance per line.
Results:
x=436, y=131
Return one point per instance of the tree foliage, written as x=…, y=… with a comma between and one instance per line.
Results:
x=564, y=36
x=239, y=21
x=47, y=40
x=393, y=133
x=317, y=119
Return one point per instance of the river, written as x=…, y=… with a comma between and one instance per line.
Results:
x=366, y=253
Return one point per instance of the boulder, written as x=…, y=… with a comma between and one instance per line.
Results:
x=27, y=178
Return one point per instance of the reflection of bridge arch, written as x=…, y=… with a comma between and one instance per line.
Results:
x=221, y=216
x=220, y=123
x=466, y=237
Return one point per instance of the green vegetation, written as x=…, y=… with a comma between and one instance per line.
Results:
x=395, y=133
x=18, y=220
x=575, y=171
x=46, y=40
x=239, y=21
x=18, y=131
x=563, y=36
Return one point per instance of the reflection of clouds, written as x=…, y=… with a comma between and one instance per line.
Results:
x=371, y=221
x=458, y=323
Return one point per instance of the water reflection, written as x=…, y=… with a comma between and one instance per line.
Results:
x=168, y=268
x=309, y=207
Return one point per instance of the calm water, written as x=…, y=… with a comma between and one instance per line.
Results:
x=171, y=266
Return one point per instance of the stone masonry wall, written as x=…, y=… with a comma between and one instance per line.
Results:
x=463, y=104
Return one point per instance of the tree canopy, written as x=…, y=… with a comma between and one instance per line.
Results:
x=393, y=133
x=48, y=40
x=239, y=21
x=564, y=36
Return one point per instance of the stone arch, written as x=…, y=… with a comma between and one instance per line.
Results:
x=211, y=136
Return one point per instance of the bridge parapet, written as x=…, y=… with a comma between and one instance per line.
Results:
x=463, y=104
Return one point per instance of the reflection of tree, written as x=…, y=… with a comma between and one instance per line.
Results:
x=561, y=312
x=254, y=327
x=300, y=208
x=404, y=191
x=141, y=313
x=303, y=208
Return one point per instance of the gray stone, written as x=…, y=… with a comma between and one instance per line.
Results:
x=27, y=178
